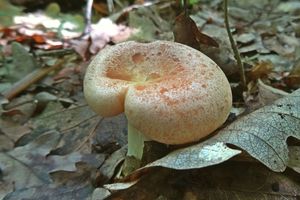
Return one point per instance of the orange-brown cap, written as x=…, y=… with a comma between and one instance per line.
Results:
x=170, y=92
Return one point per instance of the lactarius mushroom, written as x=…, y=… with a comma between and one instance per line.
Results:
x=170, y=93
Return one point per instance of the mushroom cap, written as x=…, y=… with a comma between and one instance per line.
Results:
x=170, y=92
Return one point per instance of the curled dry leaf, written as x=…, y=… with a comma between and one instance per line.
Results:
x=108, y=169
x=268, y=94
x=187, y=32
x=262, y=134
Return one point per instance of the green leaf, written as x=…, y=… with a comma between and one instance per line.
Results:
x=193, y=1
x=7, y=12
x=53, y=10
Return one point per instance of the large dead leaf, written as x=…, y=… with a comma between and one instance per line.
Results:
x=17, y=165
x=30, y=165
x=262, y=134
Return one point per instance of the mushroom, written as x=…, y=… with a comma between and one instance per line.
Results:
x=170, y=93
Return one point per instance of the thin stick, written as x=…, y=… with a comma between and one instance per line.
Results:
x=88, y=17
x=28, y=80
x=234, y=47
x=110, y=5
x=185, y=7
x=92, y=133
x=56, y=52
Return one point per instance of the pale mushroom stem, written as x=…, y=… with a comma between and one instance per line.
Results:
x=135, y=142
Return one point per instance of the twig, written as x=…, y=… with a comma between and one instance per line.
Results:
x=185, y=7
x=110, y=5
x=88, y=16
x=234, y=47
x=91, y=134
x=28, y=80
x=56, y=52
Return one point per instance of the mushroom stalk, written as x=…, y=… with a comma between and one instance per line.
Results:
x=135, y=142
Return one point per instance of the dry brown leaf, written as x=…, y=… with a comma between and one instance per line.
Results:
x=187, y=32
x=231, y=180
x=261, y=69
x=267, y=94
x=293, y=79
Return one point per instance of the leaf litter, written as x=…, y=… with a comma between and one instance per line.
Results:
x=231, y=180
x=81, y=147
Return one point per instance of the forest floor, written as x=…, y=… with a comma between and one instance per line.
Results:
x=52, y=145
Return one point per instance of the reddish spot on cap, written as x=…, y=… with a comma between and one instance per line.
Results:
x=137, y=58
x=140, y=87
x=118, y=74
x=163, y=90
